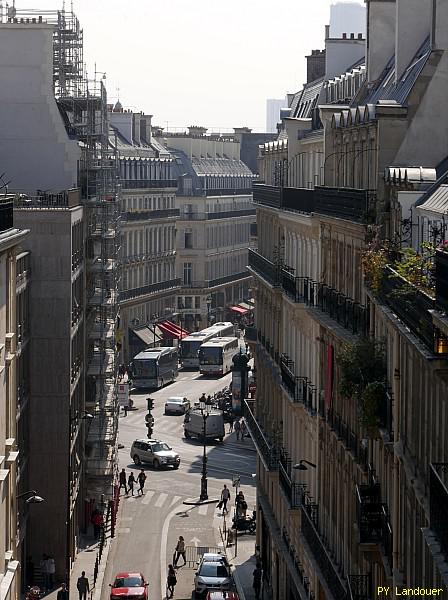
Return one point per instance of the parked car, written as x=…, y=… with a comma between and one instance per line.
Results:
x=129, y=585
x=212, y=575
x=156, y=453
x=176, y=405
x=214, y=557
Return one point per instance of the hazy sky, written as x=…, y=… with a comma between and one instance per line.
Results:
x=199, y=62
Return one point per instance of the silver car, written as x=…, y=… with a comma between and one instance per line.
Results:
x=176, y=405
x=212, y=576
x=156, y=453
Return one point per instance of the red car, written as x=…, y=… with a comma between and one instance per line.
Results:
x=129, y=585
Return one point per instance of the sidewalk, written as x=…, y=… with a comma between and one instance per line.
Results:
x=85, y=561
x=243, y=564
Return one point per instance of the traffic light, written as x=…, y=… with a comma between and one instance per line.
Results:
x=150, y=402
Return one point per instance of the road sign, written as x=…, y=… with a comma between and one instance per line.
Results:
x=236, y=480
x=123, y=394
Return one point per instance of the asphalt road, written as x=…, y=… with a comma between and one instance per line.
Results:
x=149, y=526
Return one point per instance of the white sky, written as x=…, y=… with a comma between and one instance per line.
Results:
x=199, y=62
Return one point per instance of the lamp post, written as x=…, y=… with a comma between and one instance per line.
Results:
x=209, y=303
x=301, y=465
x=154, y=321
x=205, y=414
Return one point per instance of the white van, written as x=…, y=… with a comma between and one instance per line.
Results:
x=214, y=425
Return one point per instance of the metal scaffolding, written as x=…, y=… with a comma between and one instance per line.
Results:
x=82, y=103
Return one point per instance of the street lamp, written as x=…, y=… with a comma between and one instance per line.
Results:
x=33, y=498
x=209, y=303
x=204, y=406
x=30, y=497
x=301, y=465
x=154, y=321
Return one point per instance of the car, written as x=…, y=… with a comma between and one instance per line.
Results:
x=221, y=595
x=129, y=584
x=156, y=453
x=214, y=575
x=214, y=557
x=176, y=405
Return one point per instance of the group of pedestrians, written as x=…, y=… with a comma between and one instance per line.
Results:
x=48, y=569
x=128, y=482
x=240, y=502
x=240, y=429
x=171, y=578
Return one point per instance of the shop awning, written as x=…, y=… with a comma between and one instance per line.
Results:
x=239, y=310
x=246, y=305
x=146, y=335
x=171, y=330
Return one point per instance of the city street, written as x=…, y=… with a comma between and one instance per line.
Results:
x=149, y=526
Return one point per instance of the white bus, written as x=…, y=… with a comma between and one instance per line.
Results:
x=155, y=367
x=215, y=356
x=189, y=346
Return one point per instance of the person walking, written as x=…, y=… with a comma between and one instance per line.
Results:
x=225, y=497
x=83, y=586
x=98, y=523
x=171, y=581
x=63, y=593
x=241, y=505
x=231, y=419
x=141, y=482
x=180, y=551
x=123, y=481
x=243, y=429
x=131, y=482
x=257, y=575
x=238, y=429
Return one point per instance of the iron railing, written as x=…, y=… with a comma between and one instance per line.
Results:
x=373, y=518
x=359, y=587
x=227, y=279
x=344, y=203
x=268, y=195
x=47, y=200
x=293, y=492
x=147, y=215
x=311, y=533
x=131, y=184
x=151, y=288
x=266, y=450
x=441, y=263
x=264, y=267
x=438, y=502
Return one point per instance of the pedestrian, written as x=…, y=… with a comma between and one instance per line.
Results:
x=123, y=481
x=83, y=586
x=238, y=429
x=44, y=570
x=231, y=423
x=225, y=497
x=203, y=399
x=125, y=409
x=180, y=551
x=63, y=592
x=141, y=482
x=98, y=523
x=241, y=505
x=171, y=581
x=51, y=569
x=131, y=481
x=243, y=429
x=257, y=574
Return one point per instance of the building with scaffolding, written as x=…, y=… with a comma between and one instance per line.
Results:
x=56, y=122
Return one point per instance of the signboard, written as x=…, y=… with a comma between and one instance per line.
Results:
x=123, y=394
x=252, y=389
x=236, y=392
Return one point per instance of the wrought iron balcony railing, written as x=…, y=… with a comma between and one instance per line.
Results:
x=266, y=450
x=311, y=533
x=264, y=267
x=152, y=288
x=131, y=184
x=438, y=502
x=147, y=215
x=293, y=492
x=373, y=518
x=359, y=587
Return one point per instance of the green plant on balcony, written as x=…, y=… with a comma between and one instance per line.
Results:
x=362, y=368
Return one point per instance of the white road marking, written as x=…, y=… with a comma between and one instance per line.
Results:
x=163, y=548
x=175, y=500
x=147, y=497
x=161, y=500
x=203, y=509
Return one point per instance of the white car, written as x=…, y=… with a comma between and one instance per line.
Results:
x=176, y=406
x=213, y=575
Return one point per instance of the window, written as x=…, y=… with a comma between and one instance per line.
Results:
x=188, y=302
x=188, y=238
x=197, y=302
x=188, y=268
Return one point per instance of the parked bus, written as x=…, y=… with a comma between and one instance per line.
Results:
x=189, y=346
x=155, y=367
x=215, y=356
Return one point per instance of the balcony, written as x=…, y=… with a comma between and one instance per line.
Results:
x=268, y=195
x=293, y=492
x=359, y=587
x=266, y=450
x=247, y=191
x=6, y=213
x=438, y=503
x=299, y=199
x=344, y=203
x=133, y=184
x=264, y=267
x=317, y=547
x=348, y=438
x=373, y=519
x=412, y=306
x=147, y=215
x=152, y=288
x=442, y=280
x=228, y=279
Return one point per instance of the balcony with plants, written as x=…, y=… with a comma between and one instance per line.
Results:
x=413, y=285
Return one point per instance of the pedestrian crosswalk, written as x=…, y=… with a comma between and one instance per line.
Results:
x=162, y=500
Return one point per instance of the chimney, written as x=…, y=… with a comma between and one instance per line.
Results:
x=413, y=25
x=352, y=36
x=315, y=65
x=381, y=16
x=344, y=36
x=360, y=36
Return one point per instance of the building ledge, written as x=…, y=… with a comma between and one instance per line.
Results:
x=3, y=475
x=12, y=457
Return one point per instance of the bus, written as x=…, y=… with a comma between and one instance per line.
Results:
x=215, y=356
x=155, y=367
x=189, y=346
